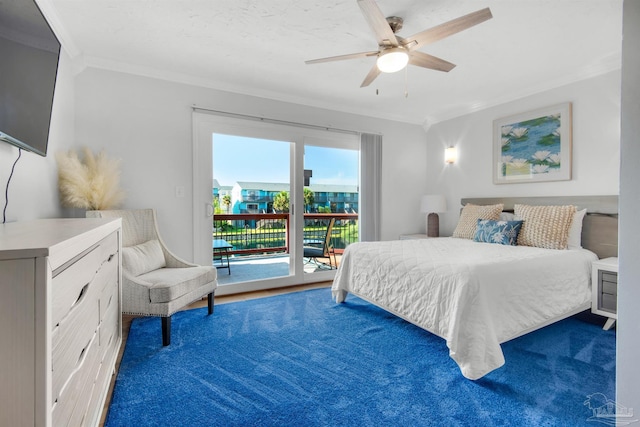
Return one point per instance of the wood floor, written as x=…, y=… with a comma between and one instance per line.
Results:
x=126, y=321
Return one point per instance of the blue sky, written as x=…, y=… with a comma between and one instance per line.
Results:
x=247, y=159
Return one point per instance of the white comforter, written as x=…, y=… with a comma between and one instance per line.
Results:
x=474, y=295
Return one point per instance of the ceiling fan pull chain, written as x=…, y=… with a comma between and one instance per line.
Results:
x=406, y=83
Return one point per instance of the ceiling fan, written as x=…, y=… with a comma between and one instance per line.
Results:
x=395, y=52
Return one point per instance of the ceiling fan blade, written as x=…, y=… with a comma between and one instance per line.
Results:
x=448, y=28
x=378, y=23
x=342, y=57
x=375, y=72
x=429, y=61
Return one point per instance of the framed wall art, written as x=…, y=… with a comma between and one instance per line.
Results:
x=533, y=147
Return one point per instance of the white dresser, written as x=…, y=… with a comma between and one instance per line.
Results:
x=60, y=320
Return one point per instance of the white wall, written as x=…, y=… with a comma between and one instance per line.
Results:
x=628, y=328
x=33, y=190
x=596, y=147
x=147, y=123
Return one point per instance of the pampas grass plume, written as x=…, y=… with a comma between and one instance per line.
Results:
x=90, y=183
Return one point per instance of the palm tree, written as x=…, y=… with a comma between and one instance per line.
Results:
x=281, y=201
x=309, y=198
x=226, y=200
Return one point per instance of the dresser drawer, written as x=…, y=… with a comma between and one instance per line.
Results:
x=609, y=288
x=609, y=276
x=109, y=334
x=72, y=404
x=110, y=339
x=109, y=347
x=98, y=394
x=110, y=324
x=70, y=285
x=608, y=303
x=109, y=296
x=70, y=342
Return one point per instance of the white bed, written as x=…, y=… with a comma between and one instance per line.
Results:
x=474, y=295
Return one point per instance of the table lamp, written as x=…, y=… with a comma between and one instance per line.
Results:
x=432, y=205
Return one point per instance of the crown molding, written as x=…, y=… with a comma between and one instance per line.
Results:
x=609, y=64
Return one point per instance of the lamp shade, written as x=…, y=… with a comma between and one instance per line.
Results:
x=433, y=204
x=392, y=60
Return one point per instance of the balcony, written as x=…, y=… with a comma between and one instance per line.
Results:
x=260, y=242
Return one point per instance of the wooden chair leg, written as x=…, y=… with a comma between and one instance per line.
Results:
x=210, y=302
x=166, y=330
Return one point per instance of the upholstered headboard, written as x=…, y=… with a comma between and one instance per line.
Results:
x=600, y=225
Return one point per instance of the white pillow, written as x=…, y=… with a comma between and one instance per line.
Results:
x=575, y=231
x=507, y=216
x=143, y=258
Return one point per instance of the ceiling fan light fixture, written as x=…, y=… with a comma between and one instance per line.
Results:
x=392, y=60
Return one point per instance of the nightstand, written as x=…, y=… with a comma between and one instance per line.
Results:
x=604, y=289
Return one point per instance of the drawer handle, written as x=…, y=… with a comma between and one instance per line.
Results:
x=83, y=292
x=83, y=354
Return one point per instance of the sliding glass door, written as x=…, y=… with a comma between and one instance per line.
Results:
x=280, y=202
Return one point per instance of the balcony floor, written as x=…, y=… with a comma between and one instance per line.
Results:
x=256, y=268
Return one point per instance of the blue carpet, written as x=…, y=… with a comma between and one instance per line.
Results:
x=302, y=360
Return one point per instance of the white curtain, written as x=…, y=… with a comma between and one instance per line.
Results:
x=370, y=183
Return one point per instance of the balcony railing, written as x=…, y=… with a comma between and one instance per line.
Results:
x=252, y=234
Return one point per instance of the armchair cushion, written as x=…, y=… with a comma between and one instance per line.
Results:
x=142, y=258
x=167, y=284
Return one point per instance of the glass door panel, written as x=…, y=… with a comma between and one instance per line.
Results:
x=331, y=198
x=251, y=221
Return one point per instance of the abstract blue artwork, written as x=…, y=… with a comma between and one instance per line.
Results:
x=533, y=146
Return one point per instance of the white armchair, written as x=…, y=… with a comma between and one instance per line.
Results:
x=155, y=282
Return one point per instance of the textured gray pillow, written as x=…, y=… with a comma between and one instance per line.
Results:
x=143, y=258
x=470, y=215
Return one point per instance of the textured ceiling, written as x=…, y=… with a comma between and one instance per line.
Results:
x=259, y=48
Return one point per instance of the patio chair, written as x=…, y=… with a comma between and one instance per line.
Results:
x=155, y=282
x=321, y=249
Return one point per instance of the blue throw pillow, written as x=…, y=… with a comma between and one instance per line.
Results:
x=502, y=232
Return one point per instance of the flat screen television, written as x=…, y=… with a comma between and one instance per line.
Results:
x=29, y=53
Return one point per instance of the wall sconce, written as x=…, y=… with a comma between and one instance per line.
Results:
x=450, y=155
